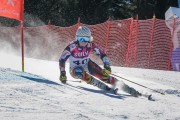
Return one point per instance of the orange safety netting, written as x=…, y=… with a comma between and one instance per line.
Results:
x=131, y=43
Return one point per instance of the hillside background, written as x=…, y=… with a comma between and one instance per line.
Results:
x=66, y=12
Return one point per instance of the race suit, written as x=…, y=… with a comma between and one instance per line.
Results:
x=79, y=56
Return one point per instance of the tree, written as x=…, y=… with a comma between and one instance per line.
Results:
x=66, y=12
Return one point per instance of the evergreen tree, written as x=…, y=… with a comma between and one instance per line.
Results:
x=66, y=12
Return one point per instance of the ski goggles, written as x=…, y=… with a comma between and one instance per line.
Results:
x=83, y=38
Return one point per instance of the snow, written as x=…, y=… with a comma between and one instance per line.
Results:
x=37, y=94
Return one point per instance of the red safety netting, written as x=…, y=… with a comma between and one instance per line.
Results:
x=161, y=46
x=131, y=43
x=149, y=46
x=118, y=41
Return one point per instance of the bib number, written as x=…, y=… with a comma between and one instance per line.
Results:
x=78, y=62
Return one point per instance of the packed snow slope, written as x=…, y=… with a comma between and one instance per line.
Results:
x=37, y=94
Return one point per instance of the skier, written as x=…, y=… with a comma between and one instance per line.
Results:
x=82, y=67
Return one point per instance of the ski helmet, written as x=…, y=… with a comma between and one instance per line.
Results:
x=83, y=34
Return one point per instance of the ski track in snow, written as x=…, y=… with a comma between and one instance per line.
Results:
x=38, y=94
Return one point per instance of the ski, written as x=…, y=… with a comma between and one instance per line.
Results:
x=160, y=92
x=147, y=96
x=130, y=90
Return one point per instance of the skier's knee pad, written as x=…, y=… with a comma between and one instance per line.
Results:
x=77, y=72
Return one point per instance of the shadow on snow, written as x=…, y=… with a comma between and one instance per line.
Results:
x=105, y=93
x=40, y=80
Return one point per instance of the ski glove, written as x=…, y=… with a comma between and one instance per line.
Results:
x=107, y=70
x=63, y=77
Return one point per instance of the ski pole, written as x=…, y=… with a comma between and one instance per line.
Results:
x=138, y=84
